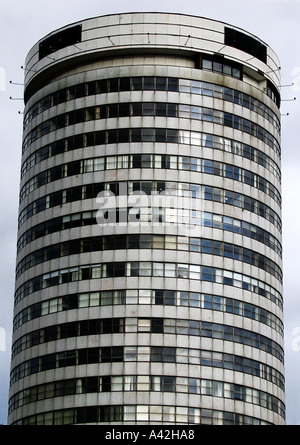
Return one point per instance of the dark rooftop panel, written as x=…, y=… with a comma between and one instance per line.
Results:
x=60, y=40
x=245, y=43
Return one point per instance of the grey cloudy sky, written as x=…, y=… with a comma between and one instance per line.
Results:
x=277, y=22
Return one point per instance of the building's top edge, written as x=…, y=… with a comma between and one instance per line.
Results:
x=114, y=34
x=151, y=13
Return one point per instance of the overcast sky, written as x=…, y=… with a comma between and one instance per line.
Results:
x=277, y=22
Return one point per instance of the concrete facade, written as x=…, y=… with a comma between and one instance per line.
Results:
x=147, y=320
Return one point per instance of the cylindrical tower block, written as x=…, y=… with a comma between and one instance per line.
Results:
x=148, y=274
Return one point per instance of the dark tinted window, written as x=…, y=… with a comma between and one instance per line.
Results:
x=60, y=40
x=245, y=43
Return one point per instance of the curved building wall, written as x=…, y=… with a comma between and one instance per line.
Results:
x=146, y=308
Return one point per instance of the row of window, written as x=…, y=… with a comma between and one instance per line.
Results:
x=168, y=326
x=140, y=413
x=153, y=354
x=238, y=97
x=148, y=83
x=139, y=161
x=147, y=296
x=272, y=92
x=147, y=383
x=222, y=66
x=75, y=329
x=150, y=135
x=147, y=213
x=133, y=109
x=82, y=219
x=148, y=269
x=149, y=241
x=242, y=201
x=244, y=228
